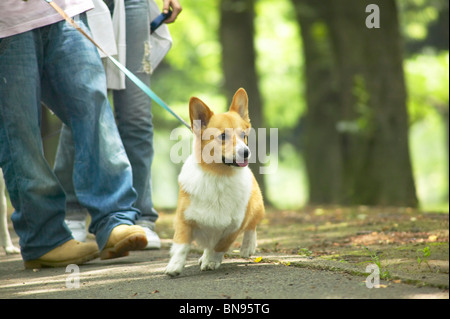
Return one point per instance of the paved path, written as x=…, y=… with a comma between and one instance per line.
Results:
x=141, y=275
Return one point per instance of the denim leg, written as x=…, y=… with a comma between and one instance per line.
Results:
x=63, y=169
x=133, y=107
x=75, y=89
x=34, y=190
x=134, y=118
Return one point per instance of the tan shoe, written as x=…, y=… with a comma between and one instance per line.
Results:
x=71, y=252
x=122, y=240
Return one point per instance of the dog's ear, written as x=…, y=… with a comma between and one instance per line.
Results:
x=240, y=104
x=199, y=113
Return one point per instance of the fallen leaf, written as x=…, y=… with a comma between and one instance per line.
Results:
x=432, y=238
x=258, y=259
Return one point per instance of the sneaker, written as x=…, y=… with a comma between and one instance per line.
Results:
x=153, y=240
x=78, y=229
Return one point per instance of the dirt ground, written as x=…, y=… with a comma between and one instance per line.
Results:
x=349, y=239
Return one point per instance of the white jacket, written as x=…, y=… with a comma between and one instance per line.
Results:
x=110, y=35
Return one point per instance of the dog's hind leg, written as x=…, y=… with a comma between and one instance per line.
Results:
x=248, y=246
x=256, y=213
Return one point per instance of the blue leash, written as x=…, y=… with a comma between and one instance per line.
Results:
x=147, y=90
x=121, y=67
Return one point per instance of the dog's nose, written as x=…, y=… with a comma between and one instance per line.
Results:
x=244, y=153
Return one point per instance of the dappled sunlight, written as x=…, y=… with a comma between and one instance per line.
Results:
x=59, y=285
x=108, y=277
x=439, y=295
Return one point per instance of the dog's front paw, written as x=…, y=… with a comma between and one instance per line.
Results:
x=177, y=261
x=173, y=271
x=210, y=260
x=175, y=267
x=210, y=265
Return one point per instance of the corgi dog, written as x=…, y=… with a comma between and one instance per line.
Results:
x=219, y=197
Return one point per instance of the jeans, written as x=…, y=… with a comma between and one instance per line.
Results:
x=133, y=115
x=57, y=65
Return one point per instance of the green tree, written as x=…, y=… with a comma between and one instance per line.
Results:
x=356, y=126
x=239, y=60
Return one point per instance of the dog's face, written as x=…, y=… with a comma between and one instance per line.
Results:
x=221, y=139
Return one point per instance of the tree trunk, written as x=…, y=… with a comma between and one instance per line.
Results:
x=356, y=127
x=238, y=61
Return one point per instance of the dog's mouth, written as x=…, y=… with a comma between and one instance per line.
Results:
x=235, y=162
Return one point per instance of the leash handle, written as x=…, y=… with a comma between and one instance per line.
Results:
x=127, y=72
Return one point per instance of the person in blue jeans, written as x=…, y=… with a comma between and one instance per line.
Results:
x=134, y=119
x=45, y=59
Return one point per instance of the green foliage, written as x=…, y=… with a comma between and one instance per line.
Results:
x=305, y=252
x=430, y=162
x=365, y=118
x=363, y=124
x=427, y=78
x=193, y=65
x=416, y=15
x=375, y=258
x=288, y=187
x=279, y=62
x=423, y=255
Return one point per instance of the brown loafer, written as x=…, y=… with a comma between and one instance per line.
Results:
x=122, y=240
x=71, y=252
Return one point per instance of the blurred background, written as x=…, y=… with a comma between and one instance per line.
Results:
x=362, y=114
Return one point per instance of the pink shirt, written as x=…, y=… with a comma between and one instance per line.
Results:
x=17, y=16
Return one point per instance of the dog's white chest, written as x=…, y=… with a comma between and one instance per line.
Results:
x=217, y=202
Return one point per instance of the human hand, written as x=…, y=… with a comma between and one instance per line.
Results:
x=176, y=9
